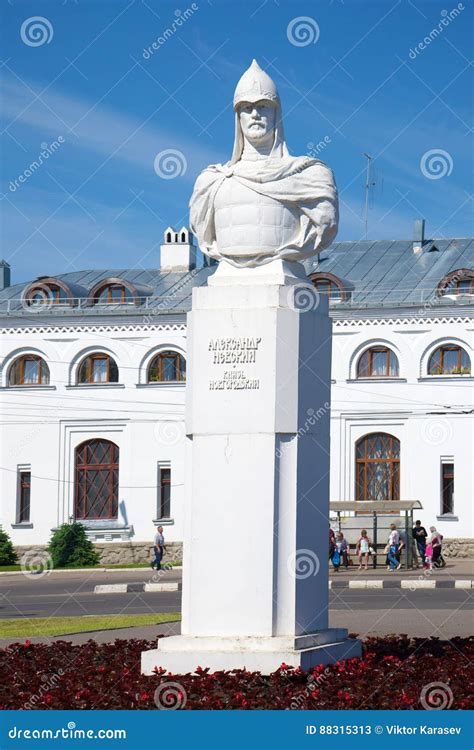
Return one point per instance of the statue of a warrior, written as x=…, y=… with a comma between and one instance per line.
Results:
x=263, y=204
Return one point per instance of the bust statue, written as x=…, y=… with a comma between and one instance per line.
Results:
x=263, y=204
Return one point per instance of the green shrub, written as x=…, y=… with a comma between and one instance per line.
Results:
x=7, y=553
x=69, y=547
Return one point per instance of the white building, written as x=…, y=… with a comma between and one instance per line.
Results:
x=93, y=384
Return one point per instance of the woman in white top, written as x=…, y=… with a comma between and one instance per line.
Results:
x=362, y=549
x=392, y=545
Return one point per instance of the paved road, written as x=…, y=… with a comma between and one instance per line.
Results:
x=441, y=612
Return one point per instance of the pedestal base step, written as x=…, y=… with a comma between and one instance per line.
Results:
x=183, y=654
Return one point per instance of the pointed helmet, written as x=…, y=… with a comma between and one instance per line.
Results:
x=256, y=86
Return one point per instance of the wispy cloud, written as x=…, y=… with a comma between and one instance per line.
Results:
x=97, y=128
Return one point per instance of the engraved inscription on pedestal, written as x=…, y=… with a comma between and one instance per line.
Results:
x=234, y=351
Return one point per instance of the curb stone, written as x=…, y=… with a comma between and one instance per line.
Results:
x=402, y=583
x=128, y=588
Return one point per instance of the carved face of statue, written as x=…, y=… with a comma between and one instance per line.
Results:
x=258, y=121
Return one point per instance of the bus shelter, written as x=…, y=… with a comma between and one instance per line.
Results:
x=375, y=510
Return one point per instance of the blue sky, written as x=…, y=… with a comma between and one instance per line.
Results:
x=351, y=83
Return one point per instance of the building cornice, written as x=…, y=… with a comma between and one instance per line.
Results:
x=402, y=321
x=104, y=328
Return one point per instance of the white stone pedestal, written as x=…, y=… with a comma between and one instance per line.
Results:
x=255, y=567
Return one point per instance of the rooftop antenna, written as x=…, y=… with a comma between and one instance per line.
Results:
x=369, y=183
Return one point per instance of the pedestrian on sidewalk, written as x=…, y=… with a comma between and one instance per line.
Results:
x=158, y=548
x=340, y=552
x=392, y=548
x=363, y=549
x=436, y=540
x=419, y=537
x=428, y=564
x=332, y=542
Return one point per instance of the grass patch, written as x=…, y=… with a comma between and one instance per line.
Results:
x=30, y=628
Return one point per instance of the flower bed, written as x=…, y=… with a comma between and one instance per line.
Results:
x=394, y=673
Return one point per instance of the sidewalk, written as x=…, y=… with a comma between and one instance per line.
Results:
x=455, y=568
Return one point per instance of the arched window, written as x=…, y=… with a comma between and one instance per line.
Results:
x=332, y=286
x=47, y=291
x=113, y=294
x=97, y=368
x=183, y=236
x=96, y=480
x=378, y=467
x=449, y=359
x=28, y=370
x=114, y=291
x=457, y=282
x=378, y=362
x=166, y=367
x=168, y=237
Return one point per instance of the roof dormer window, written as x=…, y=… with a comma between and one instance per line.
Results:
x=457, y=282
x=114, y=292
x=47, y=291
x=330, y=285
